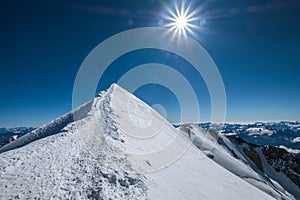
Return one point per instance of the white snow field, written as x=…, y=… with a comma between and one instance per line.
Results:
x=118, y=148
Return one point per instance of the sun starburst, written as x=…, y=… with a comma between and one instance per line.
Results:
x=180, y=19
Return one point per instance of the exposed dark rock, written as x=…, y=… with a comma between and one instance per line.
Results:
x=123, y=183
x=112, y=179
x=282, y=161
x=253, y=155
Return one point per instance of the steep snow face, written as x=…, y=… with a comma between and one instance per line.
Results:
x=118, y=148
x=178, y=170
x=152, y=142
x=232, y=158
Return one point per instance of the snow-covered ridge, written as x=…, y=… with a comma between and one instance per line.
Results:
x=81, y=161
x=50, y=128
x=93, y=158
x=233, y=156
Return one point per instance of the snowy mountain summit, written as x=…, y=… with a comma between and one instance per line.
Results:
x=118, y=147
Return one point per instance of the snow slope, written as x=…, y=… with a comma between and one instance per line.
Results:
x=228, y=155
x=118, y=148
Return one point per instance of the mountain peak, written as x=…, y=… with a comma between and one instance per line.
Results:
x=115, y=146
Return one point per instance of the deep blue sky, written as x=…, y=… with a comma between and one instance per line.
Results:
x=255, y=44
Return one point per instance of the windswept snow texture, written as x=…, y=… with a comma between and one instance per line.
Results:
x=51, y=128
x=95, y=158
x=80, y=161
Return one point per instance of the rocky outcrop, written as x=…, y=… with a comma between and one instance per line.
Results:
x=284, y=162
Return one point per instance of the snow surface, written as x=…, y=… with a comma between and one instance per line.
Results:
x=220, y=149
x=118, y=148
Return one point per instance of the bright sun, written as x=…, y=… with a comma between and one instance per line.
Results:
x=181, y=22
x=180, y=19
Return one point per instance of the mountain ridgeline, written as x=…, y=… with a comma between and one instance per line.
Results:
x=118, y=147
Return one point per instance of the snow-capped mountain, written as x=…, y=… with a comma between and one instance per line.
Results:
x=261, y=166
x=273, y=162
x=117, y=147
x=285, y=134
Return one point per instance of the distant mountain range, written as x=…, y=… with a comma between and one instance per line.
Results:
x=285, y=134
x=10, y=134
